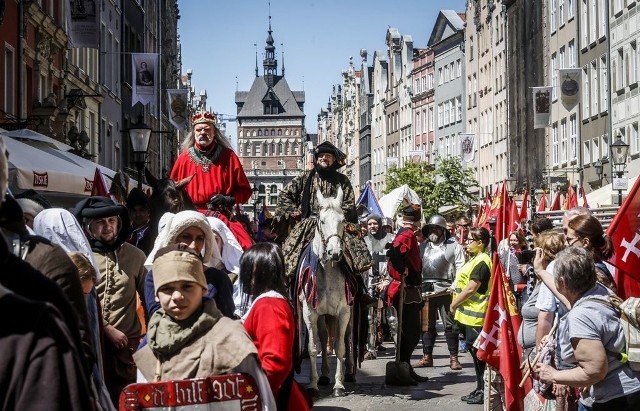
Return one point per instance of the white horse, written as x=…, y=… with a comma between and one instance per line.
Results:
x=330, y=288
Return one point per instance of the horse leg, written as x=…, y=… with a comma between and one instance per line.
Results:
x=323, y=334
x=350, y=368
x=311, y=320
x=344, y=316
x=330, y=322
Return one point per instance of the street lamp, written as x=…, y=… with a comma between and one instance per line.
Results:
x=619, y=151
x=598, y=167
x=255, y=195
x=512, y=185
x=139, y=135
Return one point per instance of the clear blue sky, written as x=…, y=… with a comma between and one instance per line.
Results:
x=218, y=37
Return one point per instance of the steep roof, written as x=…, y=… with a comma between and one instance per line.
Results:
x=250, y=103
x=447, y=24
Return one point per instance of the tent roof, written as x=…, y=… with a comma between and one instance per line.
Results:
x=390, y=202
x=602, y=197
x=26, y=134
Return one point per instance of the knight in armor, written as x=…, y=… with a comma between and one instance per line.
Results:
x=377, y=241
x=442, y=257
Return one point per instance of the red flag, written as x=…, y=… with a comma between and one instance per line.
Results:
x=515, y=223
x=497, y=344
x=99, y=187
x=556, y=202
x=584, y=197
x=502, y=213
x=625, y=233
x=572, y=199
x=524, y=207
x=483, y=212
x=543, y=202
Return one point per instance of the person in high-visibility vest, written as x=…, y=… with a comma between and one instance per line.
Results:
x=471, y=298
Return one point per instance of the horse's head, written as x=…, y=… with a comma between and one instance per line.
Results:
x=331, y=222
x=168, y=195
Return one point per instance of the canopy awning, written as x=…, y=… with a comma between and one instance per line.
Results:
x=602, y=197
x=389, y=203
x=39, y=165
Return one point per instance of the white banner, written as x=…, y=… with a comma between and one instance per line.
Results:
x=570, y=86
x=177, y=101
x=144, y=68
x=541, y=106
x=82, y=23
x=467, y=144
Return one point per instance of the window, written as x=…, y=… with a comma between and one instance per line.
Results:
x=431, y=119
x=570, y=9
x=586, y=152
x=424, y=121
x=552, y=7
x=585, y=95
x=621, y=70
x=561, y=62
x=595, y=149
x=440, y=79
x=439, y=115
x=604, y=145
x=572, y=54
x=446, y=113
x=633, y=74
x=554, y=75
x=594, y=87
x=593, y=22
x=564, y=149
x=584, y=24
x=635, y=138
x=459, y=68
x=458, y=109
x=418, y=123
x=573, y=138
x=603, y=17
x=555, y=145
x=9, y=80
x=561, y=12
x=430, y=80
x=452, y=111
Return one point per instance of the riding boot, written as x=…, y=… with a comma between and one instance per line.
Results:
x=399, y=374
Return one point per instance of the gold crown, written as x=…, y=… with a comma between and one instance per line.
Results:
x=204, y=117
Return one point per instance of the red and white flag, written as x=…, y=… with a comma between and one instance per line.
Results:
x=625, y=233
x=497, y=344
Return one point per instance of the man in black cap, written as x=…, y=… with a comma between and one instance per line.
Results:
x=405, y=266
x=140, y=215
x=297, y=203
x=122, y=267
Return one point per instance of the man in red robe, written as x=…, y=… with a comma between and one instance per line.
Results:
x=218, y=180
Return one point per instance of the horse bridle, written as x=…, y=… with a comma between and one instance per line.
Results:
x=325, y=241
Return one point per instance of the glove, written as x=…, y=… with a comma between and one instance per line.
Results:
x=221, y=199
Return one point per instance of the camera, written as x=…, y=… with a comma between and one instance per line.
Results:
x=526, y=257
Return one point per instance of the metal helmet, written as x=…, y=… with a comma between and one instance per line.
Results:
x=438, y=220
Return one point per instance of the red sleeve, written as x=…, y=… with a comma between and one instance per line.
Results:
x=271, y=327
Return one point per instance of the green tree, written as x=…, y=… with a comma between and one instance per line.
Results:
x=451, y=188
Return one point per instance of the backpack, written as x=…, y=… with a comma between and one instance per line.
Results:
x=629, y=314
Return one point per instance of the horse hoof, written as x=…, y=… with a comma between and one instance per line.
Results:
x=339, y=392
x=324, y=380
x=349, y=378
x=313, y=392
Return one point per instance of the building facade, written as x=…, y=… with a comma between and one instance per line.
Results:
x=270, y=130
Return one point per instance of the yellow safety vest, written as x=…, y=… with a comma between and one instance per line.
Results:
x=471, y=311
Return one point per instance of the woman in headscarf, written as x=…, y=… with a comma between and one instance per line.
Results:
x=192, y=229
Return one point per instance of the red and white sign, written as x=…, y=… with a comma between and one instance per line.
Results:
x=231, y=392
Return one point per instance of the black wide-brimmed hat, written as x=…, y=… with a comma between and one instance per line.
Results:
x=98, y=207
x=327, y=147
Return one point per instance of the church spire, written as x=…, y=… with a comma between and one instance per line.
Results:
x=270, y=63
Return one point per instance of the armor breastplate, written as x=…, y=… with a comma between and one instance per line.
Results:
x=378, y=252
x=435, y=266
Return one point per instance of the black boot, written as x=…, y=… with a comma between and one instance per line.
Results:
x=417, y=377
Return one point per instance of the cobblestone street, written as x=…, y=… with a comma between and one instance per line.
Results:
x=369, y=392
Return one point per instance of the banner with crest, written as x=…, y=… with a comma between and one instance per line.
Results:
x=570, y=86
x=467, y=144
x=177, y=103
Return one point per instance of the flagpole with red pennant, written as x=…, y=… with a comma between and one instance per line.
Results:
x=524, y=207
x=543, y=202
x=100, y=187
x=556, y=202
x=497, y=343
x=625, y=234
x=584, y=197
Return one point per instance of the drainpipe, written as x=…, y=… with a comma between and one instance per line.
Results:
x=20, y=59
